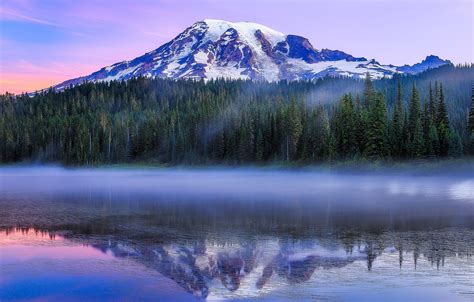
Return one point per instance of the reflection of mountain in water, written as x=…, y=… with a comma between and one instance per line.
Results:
x=252, y=233
x=201, y=265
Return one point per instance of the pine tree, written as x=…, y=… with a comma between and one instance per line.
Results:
x=442, y=114
x=361, y=121
x=442, y=124
x=427, y=135
x=432, y=105
x=369, y=91
x=344, y=128
x=397, y=124
x=377, y=131
x=470, y=124
x=405, y=148
x=436, y=99
x=415, y=128
x=243, y=147
x=417, y=142
x=294, y=129
x=433, y=138
x=187, y=122
x=322, y=134
x=218, y=145
x=259, y=147
x=455, y=144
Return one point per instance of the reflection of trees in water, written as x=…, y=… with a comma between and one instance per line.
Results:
x=26, y=230
x=296, y=216
x=196, y=259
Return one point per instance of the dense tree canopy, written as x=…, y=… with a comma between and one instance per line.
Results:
x=470, y=125
x=242, y=122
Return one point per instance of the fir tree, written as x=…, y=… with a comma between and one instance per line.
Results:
x=361, y=121
x=442, y=114
x=243, y=149
x=432, y=105
x=427, y=135
x=259, y=147
x=294, y=128
x=344, y=128
x=442, y=124
x=369, y=91
x=434, y=140
x=415, y=128
x=470, y=124
x=397, y=123
x=455, y=145
x=219, y=121
x=377, y=131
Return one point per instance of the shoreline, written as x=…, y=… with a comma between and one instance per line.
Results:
x=422, y=167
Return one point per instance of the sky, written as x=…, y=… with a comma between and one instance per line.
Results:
x=44, y=42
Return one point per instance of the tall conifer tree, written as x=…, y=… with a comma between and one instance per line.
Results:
x=470, y=124
x=345, y=128
x=377, y=131
x=369, y=91
x=416, y=142
x=442, y=124
x=397, y=123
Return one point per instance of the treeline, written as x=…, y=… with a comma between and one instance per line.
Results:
x=237, y=122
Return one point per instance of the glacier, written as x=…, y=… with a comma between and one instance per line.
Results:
x=212, y=49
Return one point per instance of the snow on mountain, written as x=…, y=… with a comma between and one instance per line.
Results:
x=430, y=62
x=220, y=49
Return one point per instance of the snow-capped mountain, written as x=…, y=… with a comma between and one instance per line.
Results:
x=220, y=49
x=207, y=270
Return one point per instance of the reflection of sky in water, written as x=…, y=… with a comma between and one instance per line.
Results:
x=463, y=190
x=401, y=266
x=30, y=245
x=33, y=265
x=244, y=234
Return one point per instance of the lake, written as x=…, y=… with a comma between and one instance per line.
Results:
x=235, y=234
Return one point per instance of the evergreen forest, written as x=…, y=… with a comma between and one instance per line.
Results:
x=428, y=116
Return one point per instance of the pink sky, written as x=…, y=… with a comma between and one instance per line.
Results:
x=19, y=246
x=44, y=42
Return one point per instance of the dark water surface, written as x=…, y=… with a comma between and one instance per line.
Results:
x=235, y=234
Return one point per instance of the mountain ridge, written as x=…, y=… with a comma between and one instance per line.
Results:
x=212, y=49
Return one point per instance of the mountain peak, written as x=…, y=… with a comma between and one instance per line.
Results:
x=245, y=50
x=434, y=59
x=430, y=62
x=246, y=30
x=244, y=26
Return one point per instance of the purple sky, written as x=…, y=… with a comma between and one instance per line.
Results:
x=43, y=42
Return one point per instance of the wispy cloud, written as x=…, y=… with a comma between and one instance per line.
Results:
x=10, y=14
x=61, y=39
x=157, y=34
x=15, y=15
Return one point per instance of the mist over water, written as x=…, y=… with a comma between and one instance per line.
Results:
x=222, y=192
x=237, y=183
x=238, y=233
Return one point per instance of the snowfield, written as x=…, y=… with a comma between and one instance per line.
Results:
x=212, y=49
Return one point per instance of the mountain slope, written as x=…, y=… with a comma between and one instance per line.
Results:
x=219, y=49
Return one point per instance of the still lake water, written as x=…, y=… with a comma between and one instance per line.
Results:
x=246, y=235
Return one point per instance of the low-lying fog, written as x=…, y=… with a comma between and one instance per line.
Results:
x=245, y=233
x=254, y=184
x=265, y=198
